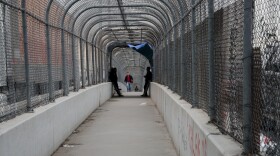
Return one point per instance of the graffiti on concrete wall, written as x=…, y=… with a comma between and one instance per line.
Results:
x=197, y=142
x=193, y=141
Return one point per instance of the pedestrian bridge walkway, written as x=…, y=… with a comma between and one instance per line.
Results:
x=125, y=126
x=93, y=123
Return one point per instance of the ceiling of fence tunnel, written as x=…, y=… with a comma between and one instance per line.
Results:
x=128, y=60
x=103, y=21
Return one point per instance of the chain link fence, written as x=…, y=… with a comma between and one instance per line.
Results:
x=27, y=62
x=201, y=53
x=224, y=68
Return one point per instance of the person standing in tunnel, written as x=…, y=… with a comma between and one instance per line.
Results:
x=148, y=79
x=114, y=79
x=128, y=80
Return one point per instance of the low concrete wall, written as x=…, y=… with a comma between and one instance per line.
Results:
x=42, y=132
x=189, y=128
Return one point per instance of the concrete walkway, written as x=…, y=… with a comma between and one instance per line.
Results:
x=123, y=126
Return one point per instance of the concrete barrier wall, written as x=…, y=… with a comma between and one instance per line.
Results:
x=42, y=132
x=189, y=128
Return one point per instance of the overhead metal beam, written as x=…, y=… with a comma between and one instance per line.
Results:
x=82, y=29
x=167, y=20
x=94, y=41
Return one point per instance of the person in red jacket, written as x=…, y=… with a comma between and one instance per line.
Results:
x=128, y=80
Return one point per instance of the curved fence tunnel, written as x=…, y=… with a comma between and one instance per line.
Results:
x=220, y=56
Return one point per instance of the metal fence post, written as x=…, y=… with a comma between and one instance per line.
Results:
x=87, y=55
x=211, y=111
x=82, y=63
x=76, y=87
x=64, y=67
x=247, y=77
x=49, y=54
x=26, y=55
x=166, y=61
x=183, y=56
x=174, y=86
x=169, y=61
x=194, y=100
x=96, y=65
x=93, y=61
x=101, y=67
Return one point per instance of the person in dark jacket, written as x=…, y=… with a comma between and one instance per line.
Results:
x=128, y=80
x=148, y=79
x=114, y=79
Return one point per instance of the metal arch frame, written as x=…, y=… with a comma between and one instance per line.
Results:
x=121, y=25
x=62, y=40
x=174, y=8
x=97, y=31
x=160, y=9
x=106, y=38
x=136, y=35
x=100, y=28
x=94, y=41
x=62, y=25
x=76, y=18
x=104, y=44
x=50, y=80
x=107, y=26
x=90, y=18
x=109, y=40
x=108, y=44
x=147, y=35
x=144, y=20
x=151, y=35
x=64, y=67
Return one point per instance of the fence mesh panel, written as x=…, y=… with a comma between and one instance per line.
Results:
x=201, y=33
x=14, y=87
x=188, y=60
x=228, y=66
x=266, y=45
x=38, y=64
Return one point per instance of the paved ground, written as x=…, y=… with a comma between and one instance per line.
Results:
x=123, y=126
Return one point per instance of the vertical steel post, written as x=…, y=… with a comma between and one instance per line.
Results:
x=49, y=54
x=82, y=63
x=169, y=71
x=211, y=111
x=247, y=77
x=98, y=69
x=166, y=61
x=183, y=57
x=174, y=88
x=161, y=67
x=154, y=66
x=93, y=61
x=87, y=55
x=96, y=66
x=64, y=67
x=76, y=86
x=101, y=67
x=26, y=55
x=194, y=100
